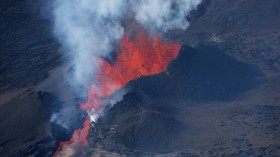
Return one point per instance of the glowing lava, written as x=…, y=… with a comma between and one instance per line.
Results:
x=139, y=57
x=79, y=137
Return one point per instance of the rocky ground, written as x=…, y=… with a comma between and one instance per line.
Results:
x=246, y=30
x=28, y=52
x=28, y=48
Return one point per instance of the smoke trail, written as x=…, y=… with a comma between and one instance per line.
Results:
x=89, y=28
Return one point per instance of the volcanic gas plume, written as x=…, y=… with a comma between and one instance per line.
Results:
x=139, y=57
x=90, y=29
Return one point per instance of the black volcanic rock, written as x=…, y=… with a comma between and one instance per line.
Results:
x=201, y=74
x=22, y=123
x=28, y=48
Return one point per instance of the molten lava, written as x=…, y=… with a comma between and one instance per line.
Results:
x=78, y=137
x=139, y=57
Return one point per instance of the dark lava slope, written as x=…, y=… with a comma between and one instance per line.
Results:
x=247, y=30
x=28, y=48
x=28, y=130
x=201, y=74
x=187, y=109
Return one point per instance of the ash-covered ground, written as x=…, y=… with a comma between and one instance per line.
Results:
x=220, y=97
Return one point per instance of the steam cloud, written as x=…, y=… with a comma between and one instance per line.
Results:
x=89, y=28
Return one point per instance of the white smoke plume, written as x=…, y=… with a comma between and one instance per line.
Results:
x=163, y=15
x=89, y=28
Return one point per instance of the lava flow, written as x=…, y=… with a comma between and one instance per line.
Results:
x=140, y=57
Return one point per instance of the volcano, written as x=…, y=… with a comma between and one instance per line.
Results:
x=141, y=57
x=210, y=90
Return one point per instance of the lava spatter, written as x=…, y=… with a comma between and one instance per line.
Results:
x=140, y=57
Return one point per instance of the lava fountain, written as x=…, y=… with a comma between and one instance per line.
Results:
x=139, y=57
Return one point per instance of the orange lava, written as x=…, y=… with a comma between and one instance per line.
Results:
x=140, y=57
x=78, y=137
